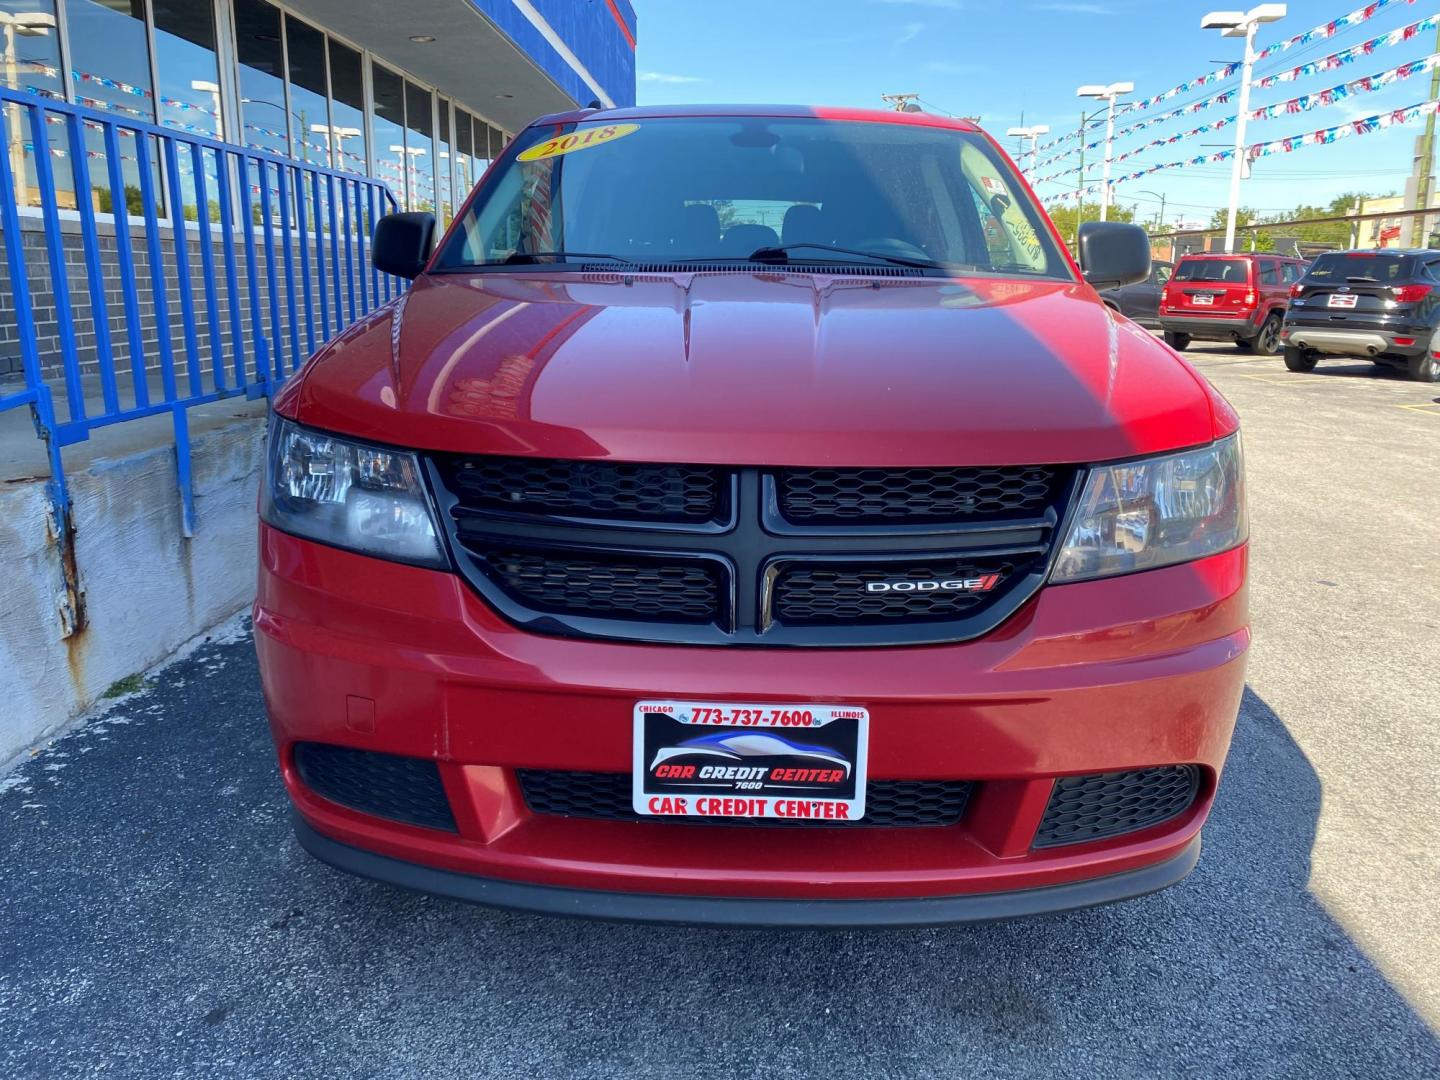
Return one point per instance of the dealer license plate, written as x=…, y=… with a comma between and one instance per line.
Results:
x=1205, y=300
x=1342, y=300
x=720, y=759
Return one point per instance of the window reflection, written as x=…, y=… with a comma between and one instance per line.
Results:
x=443, y=162
x=262, y=70
x=347, y=108
x=185, y=60
x=308, y=91
x=464, y=155
x=110, y=70
x=419, y=148
x=388, y=149
x=32, y=63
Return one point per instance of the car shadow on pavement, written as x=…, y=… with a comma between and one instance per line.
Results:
x=159, y=919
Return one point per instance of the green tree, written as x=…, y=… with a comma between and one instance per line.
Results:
x=1067, y=218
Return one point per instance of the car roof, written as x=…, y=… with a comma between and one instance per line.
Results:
x=824, y=112
x=1240, y=255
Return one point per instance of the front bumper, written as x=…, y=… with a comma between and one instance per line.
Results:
x=1133, y=672
x=1212, y=327
x=1355, y=340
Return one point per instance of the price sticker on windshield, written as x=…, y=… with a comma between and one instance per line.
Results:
x=580, y=139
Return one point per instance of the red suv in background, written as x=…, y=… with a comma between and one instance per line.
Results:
x=1240, y=298
x=753, y=515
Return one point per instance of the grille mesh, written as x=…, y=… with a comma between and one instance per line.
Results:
x=811, y=594
x=606, y=797
x=1085, y=808
x=594, y=489
x=630, y=585
x=386, y=785
x=850, y=496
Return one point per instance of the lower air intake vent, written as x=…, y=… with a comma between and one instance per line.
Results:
x=384, y=785
x=1108, y=804
x=889, y=804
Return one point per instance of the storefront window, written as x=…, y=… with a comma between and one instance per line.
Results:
x=464, y=155
x=388, y=149
x=347, y=108
x=32, y=64
x=262, y=69
x=32, y=47
x=308, y=91
x=419, y=148
x=443, y=162
x=110, y=69
x=185, y=60
x=110, y=57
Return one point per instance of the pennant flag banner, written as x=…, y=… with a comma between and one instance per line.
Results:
x=1330, y=29
x=1223, y=98
x=1319, y=33
x=1349, y=129
x=1304, y=103
x=1324, y=137
x=1345, y=56
x=1366, y=85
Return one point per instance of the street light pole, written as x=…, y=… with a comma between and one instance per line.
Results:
x=26, y=25
x=1033, y=134
x=1107, y=94
x=1241, y=24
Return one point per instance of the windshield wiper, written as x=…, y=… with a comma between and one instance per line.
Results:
x=1362, y=277
x=781, y=253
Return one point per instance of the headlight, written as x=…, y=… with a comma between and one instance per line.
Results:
x=1157, y=512
x=365, y=498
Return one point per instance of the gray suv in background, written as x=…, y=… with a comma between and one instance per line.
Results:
x=1373, y=305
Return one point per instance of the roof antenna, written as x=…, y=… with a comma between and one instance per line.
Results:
x=594, y=103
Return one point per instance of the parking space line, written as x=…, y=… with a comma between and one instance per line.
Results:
x=1429, y=408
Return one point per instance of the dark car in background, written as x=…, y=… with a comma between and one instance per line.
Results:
x=1373, y=305
x=1140, y=302
x=1239, y=298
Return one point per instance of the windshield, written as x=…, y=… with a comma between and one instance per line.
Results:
x=1336, y=267
x=1227, y=270
x=725, y=188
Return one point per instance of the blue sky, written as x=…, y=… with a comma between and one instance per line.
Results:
x=1002, y=60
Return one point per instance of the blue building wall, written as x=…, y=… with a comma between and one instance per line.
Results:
x=591, y=30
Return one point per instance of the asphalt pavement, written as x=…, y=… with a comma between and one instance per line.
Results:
x=157, y=919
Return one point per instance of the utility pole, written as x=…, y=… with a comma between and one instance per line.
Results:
x=1425, y=166
x=1080, y=183
x=902, y=102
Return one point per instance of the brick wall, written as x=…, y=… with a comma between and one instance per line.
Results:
x=84, y=314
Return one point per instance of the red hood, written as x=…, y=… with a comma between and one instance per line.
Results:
x=754, y=369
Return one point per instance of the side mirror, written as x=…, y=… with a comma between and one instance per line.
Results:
x=1113, y=254
x=402, y=243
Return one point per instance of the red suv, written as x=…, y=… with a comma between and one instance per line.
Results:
x=1239, y=298
x=753, y=516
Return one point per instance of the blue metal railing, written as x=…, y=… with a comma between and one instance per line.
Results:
x=299, y=233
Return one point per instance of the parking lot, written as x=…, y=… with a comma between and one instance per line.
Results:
x=157, y=919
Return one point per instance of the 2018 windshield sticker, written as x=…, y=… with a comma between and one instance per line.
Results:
x=578, y=140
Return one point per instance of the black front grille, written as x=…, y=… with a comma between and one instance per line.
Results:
x=404, y=789
x=824, y=594
x=716, y=555
x=609, y=584
x=839, y=496
x=1085, y=808
x=890, y=804
x=587, y=489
